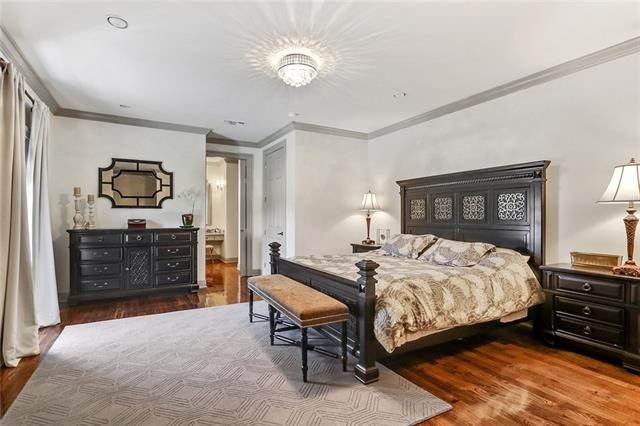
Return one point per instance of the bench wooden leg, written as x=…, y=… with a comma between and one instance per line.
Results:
x=303, y=345
x=272, y=324
x=250, y=305
x=344, y=346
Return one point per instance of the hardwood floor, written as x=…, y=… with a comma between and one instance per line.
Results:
x=506, y=377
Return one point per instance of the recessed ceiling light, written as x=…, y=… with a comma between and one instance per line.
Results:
x=294, y=114
x=125, y=106
x=399, y=95
x=117, y=22
x=235, y=122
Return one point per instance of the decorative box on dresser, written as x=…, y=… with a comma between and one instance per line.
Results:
x=112, y=263
x=593, y=309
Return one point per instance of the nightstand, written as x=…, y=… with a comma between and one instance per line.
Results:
x=363, y=248
x=593, y=309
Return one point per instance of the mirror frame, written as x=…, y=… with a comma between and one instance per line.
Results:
x=135, y=166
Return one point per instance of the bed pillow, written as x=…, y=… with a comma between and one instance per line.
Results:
x=456, y=253
x=407, y=245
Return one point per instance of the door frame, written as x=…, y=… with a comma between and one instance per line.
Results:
x=245, y=219
x=282, y=145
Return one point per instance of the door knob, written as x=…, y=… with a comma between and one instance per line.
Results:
x=280, y=233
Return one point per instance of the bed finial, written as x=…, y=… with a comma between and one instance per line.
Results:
x=274, y=253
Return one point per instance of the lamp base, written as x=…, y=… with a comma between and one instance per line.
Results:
x=368, y=241
x=629, y=269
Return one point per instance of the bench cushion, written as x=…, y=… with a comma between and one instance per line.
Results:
x=303, y=305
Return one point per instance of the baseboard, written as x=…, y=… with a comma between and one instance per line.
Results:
x=202, y=284
x=63, y=298
x=255, y=272
x=224, y=259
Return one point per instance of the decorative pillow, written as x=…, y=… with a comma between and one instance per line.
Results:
x=456, y=253
x=407, y=245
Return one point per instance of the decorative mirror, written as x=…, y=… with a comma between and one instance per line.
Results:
x=135, y=183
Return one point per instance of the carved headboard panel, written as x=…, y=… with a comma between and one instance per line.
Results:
x=503, y=205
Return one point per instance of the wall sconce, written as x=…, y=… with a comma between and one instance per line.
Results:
x=220, y=184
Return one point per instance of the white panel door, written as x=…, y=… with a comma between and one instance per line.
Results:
x=274, y=202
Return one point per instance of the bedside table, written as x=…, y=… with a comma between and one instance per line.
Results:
x=363, y=248
x=593, y=309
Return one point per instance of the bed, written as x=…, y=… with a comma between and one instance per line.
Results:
x=504, y=206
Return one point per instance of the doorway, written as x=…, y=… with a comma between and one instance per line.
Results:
x=228, y=216
x=274, y=200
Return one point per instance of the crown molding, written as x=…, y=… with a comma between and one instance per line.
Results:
x=231, y=142
x=276, y=135
x=9, y=47
x=130, y=121
x=608, y=54
x=307, y=127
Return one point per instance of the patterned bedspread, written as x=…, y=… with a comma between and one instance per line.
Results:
x=414, y=297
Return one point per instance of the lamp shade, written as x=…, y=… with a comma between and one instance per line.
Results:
x=624, y=186
x=369, y=202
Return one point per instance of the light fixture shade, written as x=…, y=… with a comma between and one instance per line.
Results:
x=297, y=69
x=369, y=202
x=624, y=186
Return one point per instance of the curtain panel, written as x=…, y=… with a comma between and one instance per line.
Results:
x=18, y=326
x=44, y=274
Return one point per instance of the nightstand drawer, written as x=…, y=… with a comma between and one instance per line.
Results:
x=591, y=287
x=600, y=333
x=588, y=310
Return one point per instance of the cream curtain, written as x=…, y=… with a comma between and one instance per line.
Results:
x=18, y=327
x=44, y=273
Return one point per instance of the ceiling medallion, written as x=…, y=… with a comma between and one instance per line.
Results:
x=297, y=69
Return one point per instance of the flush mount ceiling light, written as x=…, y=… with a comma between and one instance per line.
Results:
x=297, y=69
x=117, y=22
x=399, y=95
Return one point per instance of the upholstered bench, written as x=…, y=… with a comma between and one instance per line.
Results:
x=302, y=305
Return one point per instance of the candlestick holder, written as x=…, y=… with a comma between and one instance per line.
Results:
x=91, y=209
x=78, y=218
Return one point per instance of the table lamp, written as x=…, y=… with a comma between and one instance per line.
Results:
x=624, y=187
x=370, y=205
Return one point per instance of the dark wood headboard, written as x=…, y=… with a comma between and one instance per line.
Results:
x=503, y=205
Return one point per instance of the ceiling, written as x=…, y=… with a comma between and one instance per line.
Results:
x=201, y=63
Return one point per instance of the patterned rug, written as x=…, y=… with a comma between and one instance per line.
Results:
x=204, y=366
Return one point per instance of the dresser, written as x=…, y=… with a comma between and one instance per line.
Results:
x=112, y=263
x=594, y=310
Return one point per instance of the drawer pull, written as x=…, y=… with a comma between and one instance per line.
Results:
x=173, y=251
x=96, y=254
x=98, y=285
x=173, y=279
x=173, y=265
x=104, y=268
x=100, y=239
x=586, y=287
x=139, y=237
x=173, y=236
x=586, y=310
x=587, y=330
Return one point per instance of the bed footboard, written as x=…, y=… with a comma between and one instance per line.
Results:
x=358, y=295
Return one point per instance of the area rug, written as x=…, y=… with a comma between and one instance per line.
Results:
x=204, y=366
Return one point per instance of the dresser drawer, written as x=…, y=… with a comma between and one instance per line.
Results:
x=173, y=278
x=589, y=310
x=99, y=239
x=137, y=238
x=600, y=333
x=100, y=269
x=102, y=254
x=166, y=237
x=100, y=285
x=173, y=265
x=592, y=287
x=173, y=251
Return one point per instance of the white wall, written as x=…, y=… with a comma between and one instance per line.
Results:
x=79, y=147
x=585, y=123
x=330, y=178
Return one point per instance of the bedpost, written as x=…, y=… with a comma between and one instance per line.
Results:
x=366, y=370
x=274, y=254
